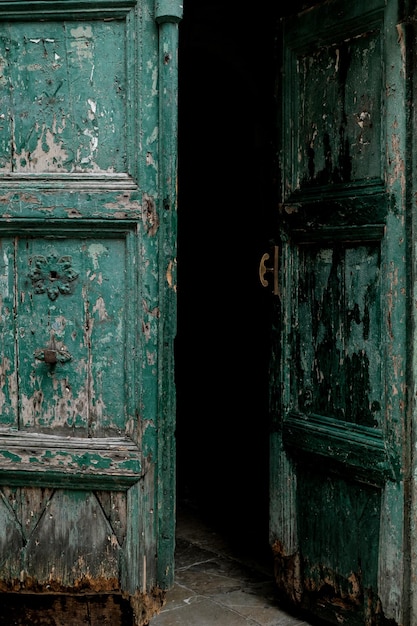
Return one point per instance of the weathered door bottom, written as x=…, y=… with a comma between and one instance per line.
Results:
x=74, y=610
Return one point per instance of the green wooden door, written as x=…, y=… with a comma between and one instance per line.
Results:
x=87, y=273
x=339, y=446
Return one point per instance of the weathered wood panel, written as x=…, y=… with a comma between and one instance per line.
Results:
x=47, y=125
x=8, y=373
x=71, y=299
x=339, y=450
x=342, y=129
x=337, y=331
x=65, y=610
x=86, y=409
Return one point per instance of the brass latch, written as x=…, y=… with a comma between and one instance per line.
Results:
x=263, y=269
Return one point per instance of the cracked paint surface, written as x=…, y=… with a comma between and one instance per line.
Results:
x=341, y=442
x=80, y=382
x=86, y=393
x=63, y=101
x=339, y=133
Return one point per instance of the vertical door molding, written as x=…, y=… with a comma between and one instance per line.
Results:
x=168, y=14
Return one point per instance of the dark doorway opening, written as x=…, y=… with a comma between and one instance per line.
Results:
x=227, y=66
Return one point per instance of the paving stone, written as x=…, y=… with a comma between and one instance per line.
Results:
x=214, y=588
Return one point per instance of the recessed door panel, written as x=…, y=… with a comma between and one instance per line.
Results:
x=340, y=133
x=338, y=333
x=72, y=335
x=63, y=96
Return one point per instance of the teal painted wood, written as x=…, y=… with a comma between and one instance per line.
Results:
x=81, y=311
x=48, y=129
x=169, y=11
x=410, y=35
x=168, y=15
x=88, y=235
x=338, y=450
x=361, y=449
x=8, y=380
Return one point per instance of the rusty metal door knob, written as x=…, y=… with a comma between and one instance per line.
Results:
x=51, y=354
x=52, y=357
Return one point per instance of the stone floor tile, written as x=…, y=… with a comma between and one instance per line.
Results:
x=213, y=587
x=204, y=612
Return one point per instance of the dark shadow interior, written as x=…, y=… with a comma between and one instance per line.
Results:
x=227, y=190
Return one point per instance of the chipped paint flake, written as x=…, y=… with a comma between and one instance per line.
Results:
x=82, y=43
x=4, y=277
x=5, y=367
x=100, y=308
x=95, y=250
x=49, y=155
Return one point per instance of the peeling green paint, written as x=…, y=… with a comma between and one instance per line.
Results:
x=340, y=444
x=87, y=405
